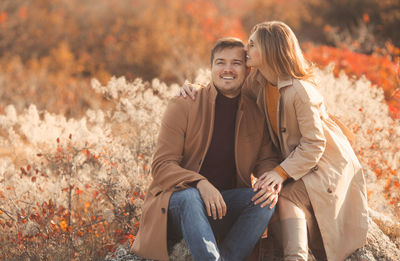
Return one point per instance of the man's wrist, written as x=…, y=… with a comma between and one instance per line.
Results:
x=200, y=182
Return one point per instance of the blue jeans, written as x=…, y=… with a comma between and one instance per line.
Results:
x=238, y=231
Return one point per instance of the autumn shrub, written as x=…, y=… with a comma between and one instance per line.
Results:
x=73, y=188
x=51, y=88
x=382, y=70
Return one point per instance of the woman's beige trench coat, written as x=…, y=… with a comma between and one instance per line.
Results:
x=315, y=150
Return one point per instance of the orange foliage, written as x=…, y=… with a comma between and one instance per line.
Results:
x=382, y=70
x=212, y=24
x=3, y=17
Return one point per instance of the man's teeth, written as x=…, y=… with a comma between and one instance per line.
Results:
x=227, y=78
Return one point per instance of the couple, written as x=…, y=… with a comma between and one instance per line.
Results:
x=269, y=122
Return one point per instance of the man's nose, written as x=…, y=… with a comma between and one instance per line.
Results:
x=228, y=68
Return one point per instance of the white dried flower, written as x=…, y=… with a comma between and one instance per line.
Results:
x=108, y=215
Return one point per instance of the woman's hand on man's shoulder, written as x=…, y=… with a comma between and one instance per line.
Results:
x=189, y=89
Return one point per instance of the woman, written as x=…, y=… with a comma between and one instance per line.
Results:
x=324, y=188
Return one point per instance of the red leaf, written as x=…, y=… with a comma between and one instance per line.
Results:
x=78, y=191
x=24, y=171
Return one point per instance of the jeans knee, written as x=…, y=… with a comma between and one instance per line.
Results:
x=189, y=198
x=247, y=194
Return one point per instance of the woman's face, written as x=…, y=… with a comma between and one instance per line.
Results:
x=255, y=60
x=253, y=53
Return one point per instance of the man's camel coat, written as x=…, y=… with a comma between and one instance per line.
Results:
x=315, y=149
x=185, y=135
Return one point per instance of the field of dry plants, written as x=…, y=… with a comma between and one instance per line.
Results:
x=73, y=188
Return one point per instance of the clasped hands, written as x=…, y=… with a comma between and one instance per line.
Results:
x=268, y=187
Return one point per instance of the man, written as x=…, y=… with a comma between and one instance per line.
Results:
x=206, y=152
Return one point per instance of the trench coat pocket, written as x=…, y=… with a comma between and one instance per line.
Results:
x=155, y=190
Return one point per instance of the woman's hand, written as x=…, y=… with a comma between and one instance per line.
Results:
x=187, y=89
x=269, y=179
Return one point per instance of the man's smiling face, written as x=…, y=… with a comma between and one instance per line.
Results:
x=228, y=70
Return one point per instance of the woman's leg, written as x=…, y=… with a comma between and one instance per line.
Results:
x=294, y=230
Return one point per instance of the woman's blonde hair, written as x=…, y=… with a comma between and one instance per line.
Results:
x=281, y=50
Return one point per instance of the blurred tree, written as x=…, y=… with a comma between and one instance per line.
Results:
x=381, y=16
x=292, y=12
x=72, y=41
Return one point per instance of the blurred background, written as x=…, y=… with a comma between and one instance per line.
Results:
x=50, y=49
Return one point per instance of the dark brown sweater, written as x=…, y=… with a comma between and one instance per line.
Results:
x=219, y=165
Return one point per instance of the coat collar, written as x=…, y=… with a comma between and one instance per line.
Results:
x=284, y=83
x=212, y=91
x=262, y=82
x=281, y=82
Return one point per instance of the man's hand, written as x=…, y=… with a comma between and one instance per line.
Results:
x=187, y=89
x=212, y=198
x=267, y=195
x=268, y=186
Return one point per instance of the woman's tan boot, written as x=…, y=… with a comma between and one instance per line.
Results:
x=294, y=239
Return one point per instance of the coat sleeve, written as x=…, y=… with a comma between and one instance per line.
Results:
x=312, y=142
x=268, y=157
x=166, y=165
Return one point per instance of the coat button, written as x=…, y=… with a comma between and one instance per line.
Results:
x=283, y=130
x=329, y=190
x=163, y=210
x=315, y=168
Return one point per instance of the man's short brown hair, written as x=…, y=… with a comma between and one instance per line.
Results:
x=226, y=42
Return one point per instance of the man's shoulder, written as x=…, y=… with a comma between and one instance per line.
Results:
x=249, y=103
